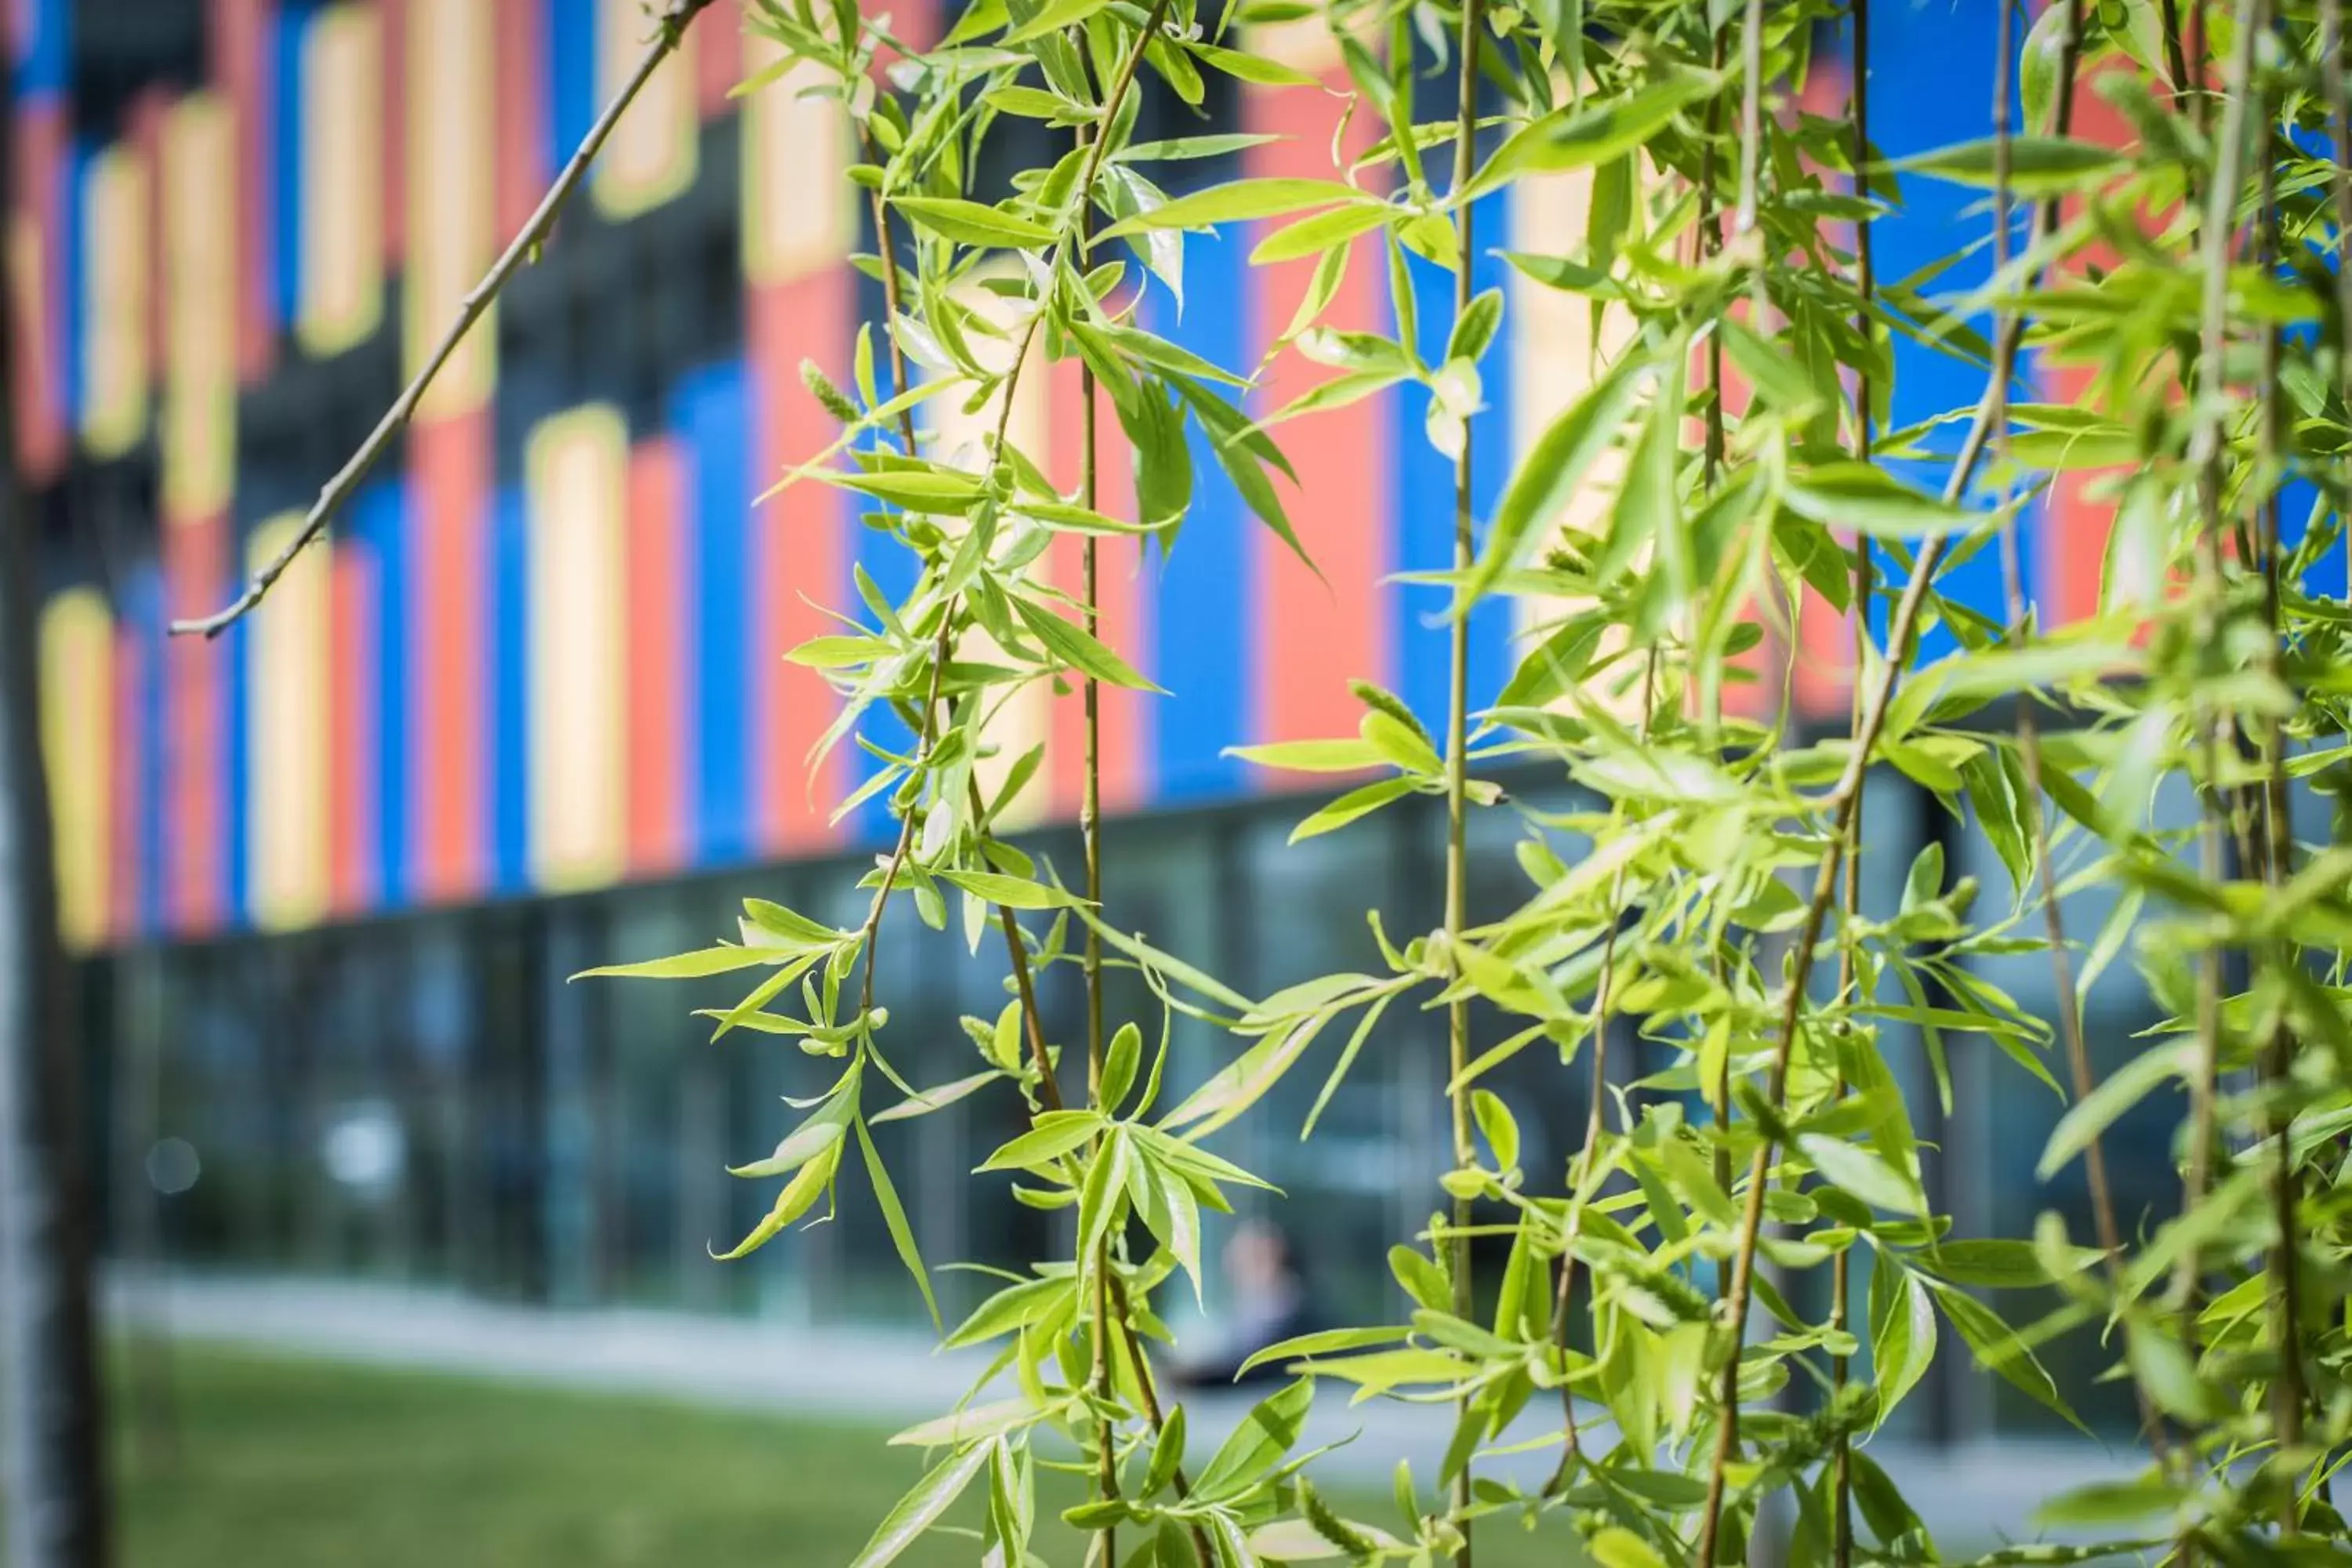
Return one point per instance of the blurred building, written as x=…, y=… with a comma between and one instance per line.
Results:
x=527, y=710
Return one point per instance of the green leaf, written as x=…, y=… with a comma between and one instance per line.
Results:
x=1077, y=648
x=804, y=1144
x=2038, y=165
x=1871, y=500
x=1499, y=1126
x=1237, y=200
x=1578, y=137
x=1054, y=1134
x=922, y=1507
x=1553, y=472
x=1243, y=1081
x=1322, y=1341
x=1259, y=1444
x=975, y=1423
x=1314, y=236
x=1997, y=1346
x=1311, y=756
x=1476, y=328
x=1617, y=1547
x=1356, y=802
x=2118, y=1092
x=1120, y=1064
x=1051, y=17
x=1902, y=1331
x=1999, y=1265
x=917, y=490
x=1009, y=892
x=1245, y=67
x=894, y=1219
x=1016, y=1306
x=970, y=222
x=688, y=965
x=928, y=1101
x=1167, y=1453
x=798, y=1196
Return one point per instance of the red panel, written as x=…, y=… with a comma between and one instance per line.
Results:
x=1309, y=638
x=799, y=553
x=35, y=303
x=143, y=125
x=660, y=694
x=916, y=23
x=519, y=70
x=718, y=56
x=195, y=779
x=130, y=678
x=393, y=28
x=448, y=654
x=353, y=721
x=1822, y=682
x=240, y=70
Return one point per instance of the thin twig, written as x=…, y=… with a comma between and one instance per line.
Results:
x=1457, y=733
x=1844, y=802
x=525, y=245
x=1850, y=898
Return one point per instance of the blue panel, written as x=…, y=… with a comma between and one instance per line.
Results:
x=291, y=28
x=142, y=610
x=510, y=715
x=708, y=412
x=1199, y=620
x=379, y=516
x=572, y=26
x=43, y=60
x=893, y=568
x=73, y=287
x=1425, y=484
x=1932, y=72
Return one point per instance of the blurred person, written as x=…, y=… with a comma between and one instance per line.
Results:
x=1267, y=1301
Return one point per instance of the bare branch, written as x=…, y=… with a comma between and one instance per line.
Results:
x=338, y=490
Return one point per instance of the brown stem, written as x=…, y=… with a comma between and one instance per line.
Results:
x=675, y=20
x=2028, y=748
x=1457, y=732
x=1844, y=802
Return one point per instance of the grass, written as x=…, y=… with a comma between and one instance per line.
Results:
x=283, y=1462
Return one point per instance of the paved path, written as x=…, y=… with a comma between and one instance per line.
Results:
x=1968, y=1495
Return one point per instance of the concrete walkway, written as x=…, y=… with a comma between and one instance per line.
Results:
x=1971, y=1494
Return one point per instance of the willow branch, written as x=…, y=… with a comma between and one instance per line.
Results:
x=1849, y=896
x=1844, y=802
x=338, y=490
x=1457, y=730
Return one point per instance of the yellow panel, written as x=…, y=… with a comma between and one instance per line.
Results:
x=651, y=156
x=451, y=238
x=288, y=737
x=342, y=180
x=800, y=213
x=115, y=315
x=577, y=466
x=1025, y=719
x=1555, y=357
x=77, y=742
x=200, y=256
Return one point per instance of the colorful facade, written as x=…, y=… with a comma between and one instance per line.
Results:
x=543, y=649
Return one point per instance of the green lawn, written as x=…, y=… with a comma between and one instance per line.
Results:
x=285, y=1462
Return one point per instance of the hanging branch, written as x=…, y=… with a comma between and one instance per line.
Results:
x=1457, y=736
x=1850, y=895
x=524, y=246
x=1844, y=804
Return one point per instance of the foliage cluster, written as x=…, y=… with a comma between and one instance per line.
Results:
x=1735, y=433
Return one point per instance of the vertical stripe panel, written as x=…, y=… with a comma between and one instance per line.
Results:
x=450, y=123
x=287, y=150
x=572, y=39
x=718, y=57
x=391, y=27
x=126, y=792
x=576, y=465
x=510, y=695
x=354, y=721
x=340, y=301
x=291, y=650
x=38, y=284
x=650, y=156
x=42, y=45
x=1308, y=636
x=526, y=152
x=143, y=127
x=116, y=313
x=76, y=686
x=381, y=517
x=660, y=691
x=243, y=37
x=142, y=605
x=1207, y=577
x=706, y=417
x=449, y=525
